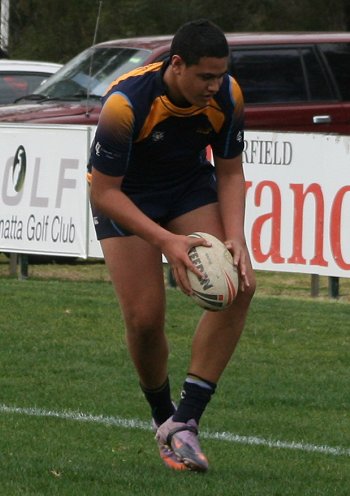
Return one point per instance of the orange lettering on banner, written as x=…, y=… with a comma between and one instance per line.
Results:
x=335, y=228
x=273, y=221
x=275, y=218
x=299, y=201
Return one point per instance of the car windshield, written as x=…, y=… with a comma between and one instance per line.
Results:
x=91, y=72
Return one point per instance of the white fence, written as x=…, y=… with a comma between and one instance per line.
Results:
x=298, y=197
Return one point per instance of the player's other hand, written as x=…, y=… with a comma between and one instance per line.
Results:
x=239, y=253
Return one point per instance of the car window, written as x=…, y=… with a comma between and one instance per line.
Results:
x=14, y=85
x=92, y=71
x=270, y=75
x=317, y=83
x=338, y=59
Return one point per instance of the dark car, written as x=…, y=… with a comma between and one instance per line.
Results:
x=291, y=82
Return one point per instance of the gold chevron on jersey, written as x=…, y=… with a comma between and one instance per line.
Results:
x=163, y=108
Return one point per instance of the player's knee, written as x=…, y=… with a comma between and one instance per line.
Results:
x=250, y=290
x=247, y=294
x=143, y=325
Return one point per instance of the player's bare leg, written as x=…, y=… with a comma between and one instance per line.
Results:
x=217, y=333
x=214, y=342
x=136, y=272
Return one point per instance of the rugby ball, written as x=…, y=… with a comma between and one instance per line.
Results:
x=219, y=288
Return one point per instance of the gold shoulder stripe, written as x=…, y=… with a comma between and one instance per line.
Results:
x=118, y=116
x=237, y=95
x=139, y=71
x=215, y=115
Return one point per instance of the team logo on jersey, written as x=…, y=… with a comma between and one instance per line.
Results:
x=97, y=149
x=158, y=136
x=204, y=130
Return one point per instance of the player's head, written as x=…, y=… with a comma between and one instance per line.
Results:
x=198, y=63
x=197, y=39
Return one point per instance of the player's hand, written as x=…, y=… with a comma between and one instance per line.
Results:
x=239, y=252
x=176, y=249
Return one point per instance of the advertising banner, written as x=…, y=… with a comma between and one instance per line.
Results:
x=297, y=197
x=298, y=202
x=43, y=197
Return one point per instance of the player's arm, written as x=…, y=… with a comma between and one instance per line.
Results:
x=230, y=179
x=110, y=159
x=110, y=155
x=109, y=199
x=231, y=196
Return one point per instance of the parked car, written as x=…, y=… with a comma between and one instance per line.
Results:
x=291, y=82
x=20, y=77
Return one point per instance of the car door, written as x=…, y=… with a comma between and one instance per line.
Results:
x=336, y=57
x=288, y=88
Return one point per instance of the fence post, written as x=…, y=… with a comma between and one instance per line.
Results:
x=315, y=285
x=23, y=264
x=13, y=264
x=171, y=278
x=333, y=287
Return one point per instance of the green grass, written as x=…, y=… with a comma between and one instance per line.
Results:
x=62, y=349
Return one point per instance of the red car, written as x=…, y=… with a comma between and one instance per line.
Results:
x=291, y=82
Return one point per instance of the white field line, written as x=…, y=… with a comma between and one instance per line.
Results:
x=139, y=424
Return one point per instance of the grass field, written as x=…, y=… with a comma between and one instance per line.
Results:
x=73, y=421
x=291, y=285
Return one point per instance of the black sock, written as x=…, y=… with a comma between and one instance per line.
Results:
x=160, y=402
x=195, y=396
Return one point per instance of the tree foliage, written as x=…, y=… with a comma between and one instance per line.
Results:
x=56, y=30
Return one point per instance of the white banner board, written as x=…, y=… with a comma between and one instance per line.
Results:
x=297, y=191
x=298, y=202
x=43, y=207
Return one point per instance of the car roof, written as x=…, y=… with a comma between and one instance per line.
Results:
x=264, y=38
x=28, y=66
x=148, y=42
x=295, y=37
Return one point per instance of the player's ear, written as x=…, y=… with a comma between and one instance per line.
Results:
x=177, y=63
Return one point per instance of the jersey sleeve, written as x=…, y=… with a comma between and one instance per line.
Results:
x=114, y=134
x=230, y=140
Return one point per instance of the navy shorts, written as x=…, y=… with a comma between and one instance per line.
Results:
x=165, y=205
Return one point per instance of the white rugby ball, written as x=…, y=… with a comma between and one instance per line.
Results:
x=218, y=290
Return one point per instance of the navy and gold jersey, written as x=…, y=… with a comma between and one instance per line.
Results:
x=144, y=137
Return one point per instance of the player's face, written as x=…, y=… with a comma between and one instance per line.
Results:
x=197, y=84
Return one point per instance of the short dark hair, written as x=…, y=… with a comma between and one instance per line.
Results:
x=196, y=39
